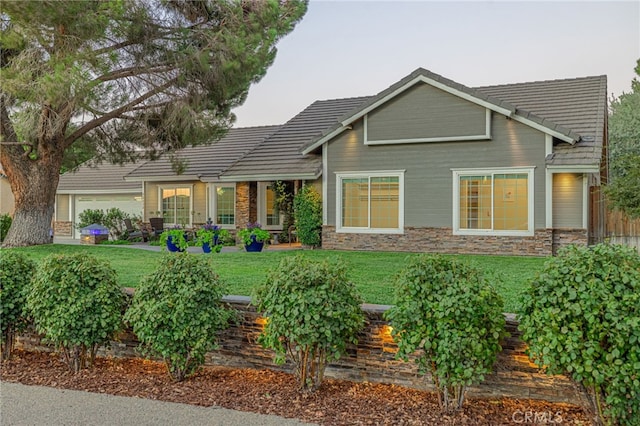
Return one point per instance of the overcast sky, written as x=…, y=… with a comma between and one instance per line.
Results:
x=342, y=49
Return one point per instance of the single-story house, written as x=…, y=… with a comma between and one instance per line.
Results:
x=94, y=186
x=425, y=165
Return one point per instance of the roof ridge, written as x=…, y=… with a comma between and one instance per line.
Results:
x=555, y=80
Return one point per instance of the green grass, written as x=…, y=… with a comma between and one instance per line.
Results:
x=372, y=272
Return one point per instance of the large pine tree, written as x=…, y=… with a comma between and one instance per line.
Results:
x=125, y=79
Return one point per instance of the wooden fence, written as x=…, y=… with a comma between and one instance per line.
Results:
x=623, y=230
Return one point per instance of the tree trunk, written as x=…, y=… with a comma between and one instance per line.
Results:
x=34, y=184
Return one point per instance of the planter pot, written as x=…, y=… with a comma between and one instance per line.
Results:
x=255, y=246
x=172, y=247
x=206, y=247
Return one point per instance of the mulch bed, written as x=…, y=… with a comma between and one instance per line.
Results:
x=337, y=402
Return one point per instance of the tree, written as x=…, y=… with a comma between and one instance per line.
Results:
x=128, y=79
x=624, y=142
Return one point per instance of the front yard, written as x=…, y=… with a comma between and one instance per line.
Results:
x=372, y=272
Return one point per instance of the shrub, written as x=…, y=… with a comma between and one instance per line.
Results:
x=88, y=217
x=76, y=302
x=16, y=271
x=313, y=311
x=308, y=215
x=581, y=316
x=449, y=311
x=5, y=224
x=113, y=219
x=177, y=312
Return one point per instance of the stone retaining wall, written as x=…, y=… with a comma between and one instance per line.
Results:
x=441, y=240
x=371, y=360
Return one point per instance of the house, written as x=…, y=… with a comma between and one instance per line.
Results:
x=94, y=186
x=431, y=165
x=425, y=165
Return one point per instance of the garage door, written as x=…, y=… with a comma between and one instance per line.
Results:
x=129, y=203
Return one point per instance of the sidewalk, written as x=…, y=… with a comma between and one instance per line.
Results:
x=37, y=405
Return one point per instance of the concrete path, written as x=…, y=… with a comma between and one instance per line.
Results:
x=37, y=405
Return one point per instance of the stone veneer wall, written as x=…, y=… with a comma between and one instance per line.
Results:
x=373, y=359
x=563, y=237
x=62, y=228
x=440, y=240
x=246, y=203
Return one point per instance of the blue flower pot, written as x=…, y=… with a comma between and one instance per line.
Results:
x=255, y=246
x=171, y=246
x=206, y=247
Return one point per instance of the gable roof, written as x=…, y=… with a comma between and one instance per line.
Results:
x=579, y=104
x=279, y=156
x=98, y=178
x=509, y=100
x=205, y=162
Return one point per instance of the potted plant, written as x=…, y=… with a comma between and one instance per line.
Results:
x=175, y=239
x=211, y=237
x=253, y=237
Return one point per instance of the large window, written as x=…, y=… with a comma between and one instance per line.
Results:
x=370, y=202
x=224, y=204
x=493, y=202
x=176, y=205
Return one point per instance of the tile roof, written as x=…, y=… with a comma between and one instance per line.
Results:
x=578, y=104
x=280, y=153
x=101, y=178
x=206, y=162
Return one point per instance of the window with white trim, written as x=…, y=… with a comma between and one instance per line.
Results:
x=224, y=205
x=370, y=202
x=497, y=202
x=175, y=205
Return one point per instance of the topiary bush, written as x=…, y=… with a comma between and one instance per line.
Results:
x=76, y=303
x=448, y=312
x=308, y=216
x=16, y=271
x=177, y=312
x=313, y=311
x=581, y=317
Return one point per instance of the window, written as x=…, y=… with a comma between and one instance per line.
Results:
x=224, y=205
x=268, y=212
x=370, y=202
x=493, y=202
x=176, y=205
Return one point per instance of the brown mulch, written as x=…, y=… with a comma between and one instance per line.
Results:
x=337, y=402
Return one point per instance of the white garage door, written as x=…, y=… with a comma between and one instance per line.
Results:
x=129, y=203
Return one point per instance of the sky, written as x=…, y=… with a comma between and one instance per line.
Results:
x=343, y=49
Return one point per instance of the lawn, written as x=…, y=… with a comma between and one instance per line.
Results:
x=372, y=272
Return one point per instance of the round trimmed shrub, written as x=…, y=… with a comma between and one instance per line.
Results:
x=16, y=271
x=177, y=312
x=76, y=303
x=313, y=311
x=581, y=317
x=452, y=316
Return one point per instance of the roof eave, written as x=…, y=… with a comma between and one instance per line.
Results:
x=271, y=177
x=161, y=178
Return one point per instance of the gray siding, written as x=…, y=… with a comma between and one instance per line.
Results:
x=567, y=200
x=426, y=112
x=428, y=176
